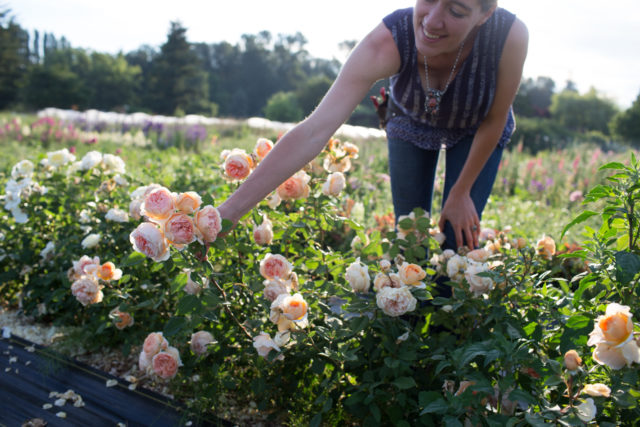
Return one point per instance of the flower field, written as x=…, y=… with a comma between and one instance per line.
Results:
x=316, y=309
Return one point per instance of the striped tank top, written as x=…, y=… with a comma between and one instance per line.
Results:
x=468, y=98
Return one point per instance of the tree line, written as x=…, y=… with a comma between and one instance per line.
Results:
x=261, y=75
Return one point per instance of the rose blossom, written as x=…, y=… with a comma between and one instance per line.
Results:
x=238, y=164
x=188, y=202
x=289, y=311
x=479, y=255
x=159, y=204
x=334, y=184
x=411, y=274
x=179, y=230
x=587, y=410
x=192, y=287
x=135, y=208
x=121, y=319
x=264, y=344
x=87, y=291
x=546, y=247
x=149, y=240
x=200, y=341
x=117, y=215
x=274, y=200
x=613, y=337
x=597, y=390
x=154, y=343
x=263, y=233
x=23, y=168
x=478, y=284
x=58, y=158
x=208, y=222
x=108, y=271
x=113, y=163
x=351, y=149
x=296, y=187
x=383, y=280
x=572, y=360
x=90, y=160
x=575, y=196
x=84, y=261
x=165, y=364
x=90, y=241
x=357, y=275
x=263, y=146
x=456, y=266
x=273, y=288
x=336, y=164
x=273, y=266
x=395, y=301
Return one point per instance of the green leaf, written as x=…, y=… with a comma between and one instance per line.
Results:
x=187, y=304
x=134, y=258
x=612, y=165
x=404, y=383
x=439, y=406
x=174, y=326
x=577, y=220
x=450, y=421
x=521, y=396
x=627, y=266
x=578, y=322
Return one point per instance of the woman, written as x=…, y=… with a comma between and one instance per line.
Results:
x=423, y=49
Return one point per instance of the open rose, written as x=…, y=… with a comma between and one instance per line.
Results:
x=273, y=288
x=296, y=187
x=87, y=291
x=58, y=158
x=478, y=284
x=238, y=165
x=121, y=319
x=149, y=240
x=411, y=274
x=382, y=280
x=264, y=345
x=289, y=312
x=154, y=343
x=209, y=223
x=165, y=364
x=263, y=146
x=597, y=390
x=546, y=247
x=108, y=271
x=117, y=215
x=395, y=301
x=479, y=255
x=357, y=275
x=456, y=267
x=273, y=266
x=613, y=337
x=159, y=204
x=179, y=230
x=79, y=266
x=334, y=184
x=188, y=202
x=200, y=342
x=263, y=233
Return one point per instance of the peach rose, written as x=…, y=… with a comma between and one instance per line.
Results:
x=273, y=288
x=572, y=360
x=613, y=337
x=295, y=187
x=351, y=149
x=264, y=344
x=208, y=222
x=194, y=288
x=159, y=204
x=108, y=271
x=275, y=266
x=84, y=261
x=200, y=342
x=289, y=312
x=395, y=301
x=479, y=255
x=154, y=343
x=385, y=265
x=188, y=202
x=263, y=146
x=382, y=280
x=411, y=274
x=121, y=319
x=334, y=184
x=263, y=233
x=519, y=243
x=149, y=240
x=165, y=364
x=87, y=291
x=274, y=200
x=179, y=230
x=238, y=165
x=337, y=164
x=357, y=275
x=135, y=208
x=597, y=390
x=546, y=247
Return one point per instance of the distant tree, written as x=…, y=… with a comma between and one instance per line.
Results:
x=54, y=86
x=582, y=113
x=310, y=93
x=534, y=97
x=112, y=82
x=178, y=81
x=14, y=59
x=626, y=124
x=570, y=86
x=283, y=107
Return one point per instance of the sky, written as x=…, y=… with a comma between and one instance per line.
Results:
x=594, y=43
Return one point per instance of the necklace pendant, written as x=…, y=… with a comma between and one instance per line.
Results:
x=432, y=102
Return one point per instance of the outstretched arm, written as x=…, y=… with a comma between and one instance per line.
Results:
x=459, y=209
x=374, y=58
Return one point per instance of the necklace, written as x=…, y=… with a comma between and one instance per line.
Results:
x=434, y=96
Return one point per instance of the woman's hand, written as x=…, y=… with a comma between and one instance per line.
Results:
x=460, y=211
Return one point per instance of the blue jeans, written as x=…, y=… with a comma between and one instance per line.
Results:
x=413, y=169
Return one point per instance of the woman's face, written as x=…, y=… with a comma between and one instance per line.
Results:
x=441, y=25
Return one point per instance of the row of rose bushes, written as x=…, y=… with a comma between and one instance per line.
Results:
x=284, y=301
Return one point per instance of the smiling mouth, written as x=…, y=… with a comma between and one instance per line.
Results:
x=431, y=36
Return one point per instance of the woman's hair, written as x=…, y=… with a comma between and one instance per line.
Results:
x=487, y=4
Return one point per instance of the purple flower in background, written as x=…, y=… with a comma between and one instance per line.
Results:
x=536, y=185
x=196, y=133
x=549, y=182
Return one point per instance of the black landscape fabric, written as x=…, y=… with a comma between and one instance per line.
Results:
x=29, y=372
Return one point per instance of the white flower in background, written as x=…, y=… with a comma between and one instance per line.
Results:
x=19, y=216
x=597, y=390
x=395, y=301
x=274, y=200
x=456, y=267
x=113, y=163
x=90, y=241
x=48, y=250
x=357, y=212
x=264, y=344
x=478, y=284
x=90, y=160
x=357, y=275
x=84, y=217
x=587, y=410
x=117, y=215
x=55, y=159
x=334, y=184
x=200, y=341
x=22, y=169
x=120, y=180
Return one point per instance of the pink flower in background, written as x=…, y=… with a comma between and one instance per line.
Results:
x=159, y=204
x=295, y=187
x=154, y=343
x=188, y=202
x=165, y=364
x=179, y=230
x=275, y=266
x=87, y=291
x=208, y=222
x=395, y=301
x=238, y=164
x=149, y=240
x=263, y=233
x=200, y=342
x=575, y=196
x=79, y=267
